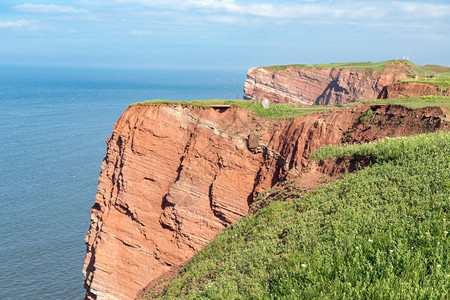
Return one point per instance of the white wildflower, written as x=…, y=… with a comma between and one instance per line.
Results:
x=303, y=265
x=390, y=250
x=370, y=241
x=438, y=265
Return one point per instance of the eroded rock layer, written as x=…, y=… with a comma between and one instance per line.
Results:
x=324, y=86
x=175, y=176
x=412, y=90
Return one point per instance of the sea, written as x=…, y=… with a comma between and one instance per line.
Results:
x=54, y=122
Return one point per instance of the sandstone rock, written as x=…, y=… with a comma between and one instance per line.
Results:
x=409, y=90
x=175, y=176
x=324, y=86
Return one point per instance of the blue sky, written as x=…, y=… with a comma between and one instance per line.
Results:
x=221, y=33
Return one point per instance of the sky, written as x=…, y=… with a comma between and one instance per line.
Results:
x=221, y=34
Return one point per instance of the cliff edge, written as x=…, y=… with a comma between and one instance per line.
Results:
x=323, y=84
x=176, y=175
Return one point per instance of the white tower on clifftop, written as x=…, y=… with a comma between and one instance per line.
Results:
x=406, y=57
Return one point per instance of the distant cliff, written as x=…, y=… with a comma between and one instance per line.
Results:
x=174, y=176
x=324, y=84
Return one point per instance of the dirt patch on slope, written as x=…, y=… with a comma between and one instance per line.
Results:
x=410, y=90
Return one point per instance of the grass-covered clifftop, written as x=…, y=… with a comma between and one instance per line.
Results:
x=276, y=111
x=434, y=74
x=379, y=233
x=390, y=65
x=443, y=81
x=377, y=66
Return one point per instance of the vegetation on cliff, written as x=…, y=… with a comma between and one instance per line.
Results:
x=443, y=81
x=391, y=66
x=420, y=102
x=276, y=111
x=370, y=66
x=379, y=233
x=433, y=74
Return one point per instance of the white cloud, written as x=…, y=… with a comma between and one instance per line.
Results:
x=423, y=10
x=323, y=11
x=267, y=10
x=224, y=19
x=16, y=24
x=49, y=9
x=137, y=32
x=288, y=11
x=146, y=15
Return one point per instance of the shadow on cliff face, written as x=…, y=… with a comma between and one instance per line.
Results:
x=333, y=93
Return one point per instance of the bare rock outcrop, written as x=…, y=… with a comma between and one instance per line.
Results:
x=175, y=176
x=324, y=86
x=411, y=90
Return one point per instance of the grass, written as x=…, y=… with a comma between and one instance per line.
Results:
x=419, y=102
x=378, y=66
x=437, y=68
x=441, y=78
x=425, y=74
x=379, y=233
x=275, y=111
x=442, y=81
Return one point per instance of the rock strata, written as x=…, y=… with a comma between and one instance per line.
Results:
x=324, y=86
x=175, y=176
x=411, y=90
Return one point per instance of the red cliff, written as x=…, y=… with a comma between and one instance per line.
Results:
x=175, y=176
x=321, y=85
x=412, y=90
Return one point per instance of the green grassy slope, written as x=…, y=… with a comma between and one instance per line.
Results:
x=425, y=101
x=379, y=233
x=440, y=80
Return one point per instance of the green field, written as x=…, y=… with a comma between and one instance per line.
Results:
x=378, y=233
x=442, y=81
x=425, y=101
x=378, y=66
x=420, y=71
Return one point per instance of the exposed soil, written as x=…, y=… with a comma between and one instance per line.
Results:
x=438, y=69
x=410, y=90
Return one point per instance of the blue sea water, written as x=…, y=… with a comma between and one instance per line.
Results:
x=53, y=127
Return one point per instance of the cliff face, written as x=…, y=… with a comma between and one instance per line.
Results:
x=324, y=86
x=411, y=90
x=173, y=177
